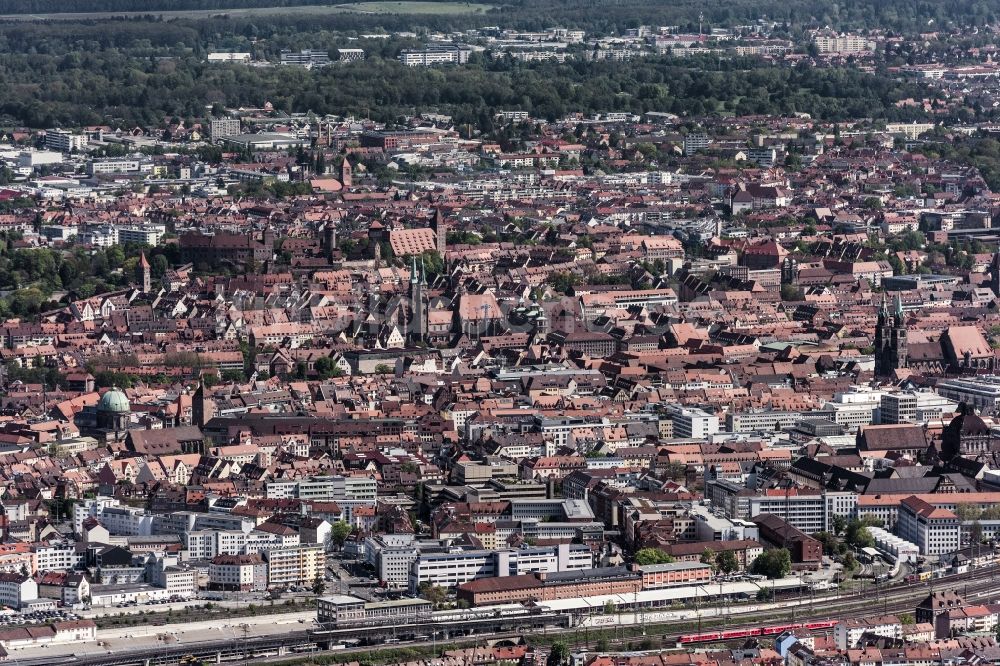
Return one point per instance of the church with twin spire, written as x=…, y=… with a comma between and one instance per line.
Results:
x=890, y=339
x=419, y=302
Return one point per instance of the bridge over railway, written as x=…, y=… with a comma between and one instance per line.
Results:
x=444, y=630
x=310, y=641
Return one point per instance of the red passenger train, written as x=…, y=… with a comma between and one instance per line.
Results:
x=771, y=630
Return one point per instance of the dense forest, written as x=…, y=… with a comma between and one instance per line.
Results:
x=145, y=71
x=141, y=73
x=30, y=278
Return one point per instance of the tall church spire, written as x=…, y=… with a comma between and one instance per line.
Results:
x=418, y=301
x=890, y=339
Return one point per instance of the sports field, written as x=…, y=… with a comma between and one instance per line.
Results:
x=380, y=7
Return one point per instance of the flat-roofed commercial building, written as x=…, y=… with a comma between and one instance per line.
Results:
x=342, y=610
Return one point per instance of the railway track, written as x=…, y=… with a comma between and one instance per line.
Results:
x=894, y=599
x=650, y=640
x=986, y=584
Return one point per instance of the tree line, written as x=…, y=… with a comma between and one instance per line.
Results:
x=88, y=85
x=141, y=71
x=34, y=275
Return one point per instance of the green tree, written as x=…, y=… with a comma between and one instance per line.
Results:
x=339, y=532
x=319, y=586
x=563, y=281
x=708, y=557
x=967, y=512
x=233, y=376
x=839, y=524
x=908, y=240
x=559, y=655
x=857, y=534
x=435, y=594
x=773, y=563
x=433, y=263
x=652, y=556
x=115, y=256
x=829, y=541
x=849, y=561
x=727, y=561
x=159, y=265
x=326, y=367
x=976, y=532
x=26, y=301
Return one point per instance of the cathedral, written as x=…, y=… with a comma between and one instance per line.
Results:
x=958, y=349
x=890, y=340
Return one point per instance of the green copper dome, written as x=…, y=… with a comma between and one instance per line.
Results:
x=114, y=401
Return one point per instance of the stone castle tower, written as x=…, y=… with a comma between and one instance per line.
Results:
x=346, y=174
x=440, y=232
